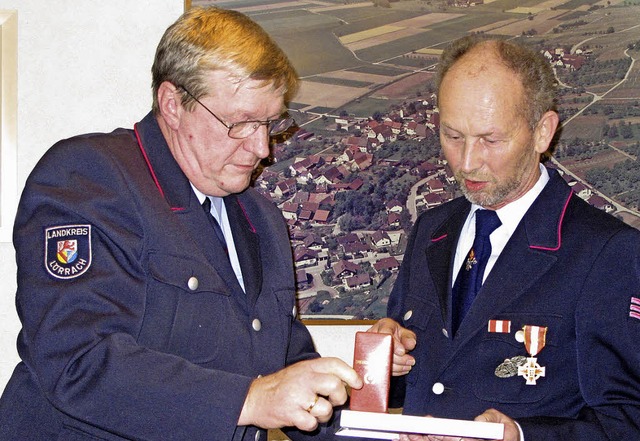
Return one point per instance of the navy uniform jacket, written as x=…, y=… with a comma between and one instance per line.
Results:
x=569, y=267
x=147, y=334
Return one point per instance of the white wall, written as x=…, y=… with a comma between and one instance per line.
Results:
x=84, y=66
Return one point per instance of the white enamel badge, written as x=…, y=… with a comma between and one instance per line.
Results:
x=67, y=252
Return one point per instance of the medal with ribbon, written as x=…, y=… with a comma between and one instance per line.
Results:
x=534, y=341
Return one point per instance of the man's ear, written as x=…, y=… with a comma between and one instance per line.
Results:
x=170, y=104
x=545, y=130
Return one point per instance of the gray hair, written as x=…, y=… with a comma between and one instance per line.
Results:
x=534, y=71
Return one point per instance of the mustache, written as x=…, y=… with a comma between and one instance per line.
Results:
x=474, y=176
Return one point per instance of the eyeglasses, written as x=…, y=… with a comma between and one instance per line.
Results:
x=244, y=129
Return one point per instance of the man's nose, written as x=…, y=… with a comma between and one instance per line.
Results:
x=259, y=142
x=471, y=155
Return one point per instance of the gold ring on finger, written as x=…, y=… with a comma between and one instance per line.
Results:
x=310, y=408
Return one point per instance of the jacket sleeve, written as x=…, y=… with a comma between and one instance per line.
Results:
x=79, y=336
x=608, y=350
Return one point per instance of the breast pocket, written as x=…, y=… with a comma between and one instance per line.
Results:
x=188, y=308
x=499, y=355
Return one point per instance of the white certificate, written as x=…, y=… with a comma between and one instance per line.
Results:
x=387, y=426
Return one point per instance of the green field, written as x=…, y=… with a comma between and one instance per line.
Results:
x=366, y=107
x=378, y=70
x=573, y=4
x=340, y=82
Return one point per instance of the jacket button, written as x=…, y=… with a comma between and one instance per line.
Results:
x=520, y=336
x=256, y=325
x=437, y=388
x=258, y=435
x=193, y=283
x=445, y=333
x=294, y=312
x=408, y=314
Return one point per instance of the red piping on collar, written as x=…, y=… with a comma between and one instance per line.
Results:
x=253, y=229
x=153, y=174
x=146, y=158
x=564, y=210
x=439, y=238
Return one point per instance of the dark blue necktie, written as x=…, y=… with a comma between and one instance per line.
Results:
x=469, y=278
x=206, y=206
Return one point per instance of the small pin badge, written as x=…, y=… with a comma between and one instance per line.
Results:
x=471, y=260
x=499, y=326
x=509, y=367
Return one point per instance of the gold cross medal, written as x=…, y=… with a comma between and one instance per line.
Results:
x=471, y=260
x=534, y=341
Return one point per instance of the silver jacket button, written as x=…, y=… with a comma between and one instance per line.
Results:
x=437, y=388
x=193, y=283
x=256, y=325
x=407, y=315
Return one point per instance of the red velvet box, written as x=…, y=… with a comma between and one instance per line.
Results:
x=372, y=357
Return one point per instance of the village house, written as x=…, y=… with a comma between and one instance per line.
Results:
x=433, y=200
x=387, y=264
x=290, y=210
x=581, y=190
x=344, y=269
x=321, y=216
x=394, y=206
x=355, y=249
x=304, y=280
x=601, y=203
x=435, y=186
x=305, y=215
x=362, y=161
x=359, y=281
x=313, y=242
x=393, y=220
x=304, y=257
x=380, y=239
x=285, y=188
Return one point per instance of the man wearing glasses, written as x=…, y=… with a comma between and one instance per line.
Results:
x=147, y=317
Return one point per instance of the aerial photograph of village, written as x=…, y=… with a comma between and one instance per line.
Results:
x=364, y=159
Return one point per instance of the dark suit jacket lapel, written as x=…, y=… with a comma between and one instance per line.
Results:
x=247, y=245
x=528, y=255
x=440, y=256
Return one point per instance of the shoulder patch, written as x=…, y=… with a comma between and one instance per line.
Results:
x=67, y=250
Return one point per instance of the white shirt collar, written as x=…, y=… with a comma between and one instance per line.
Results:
x=511, y=214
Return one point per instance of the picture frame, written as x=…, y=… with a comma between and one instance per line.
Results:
x=8, y=121
x=368, y=51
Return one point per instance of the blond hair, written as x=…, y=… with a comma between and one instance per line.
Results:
x=206, y=39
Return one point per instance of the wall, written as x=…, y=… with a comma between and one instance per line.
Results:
x=83, y=67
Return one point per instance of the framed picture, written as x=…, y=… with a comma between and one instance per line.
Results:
x=365, y=161
x=8, y=120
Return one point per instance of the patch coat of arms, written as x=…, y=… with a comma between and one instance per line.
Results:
x=67, y=253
